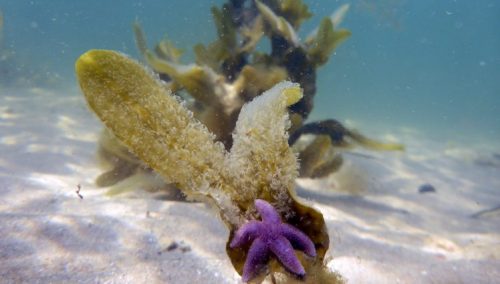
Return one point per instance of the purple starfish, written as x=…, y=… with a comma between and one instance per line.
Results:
x=271, y=235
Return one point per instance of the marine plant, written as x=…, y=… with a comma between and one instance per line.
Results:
x=232, y=140
x=255, y=178
x=232, y=70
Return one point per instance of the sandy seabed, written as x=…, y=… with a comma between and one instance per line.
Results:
x=382, y=229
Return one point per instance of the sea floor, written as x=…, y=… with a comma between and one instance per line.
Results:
x=382, y=229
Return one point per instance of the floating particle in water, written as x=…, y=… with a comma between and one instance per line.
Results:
x=426, y=188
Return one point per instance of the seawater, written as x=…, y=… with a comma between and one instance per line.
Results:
x=425, y=73
x=429, y=65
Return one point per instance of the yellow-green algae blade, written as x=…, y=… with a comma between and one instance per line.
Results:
x=197, y=80
x=326, y=39
x=374, y=144
x=264, y=166
x=152, y=123
x=260, y=158
x=295, y=11
x=140, y=38
x=141, y=113
x=277, y=23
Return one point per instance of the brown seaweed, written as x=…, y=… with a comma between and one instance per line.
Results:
x=144, y=115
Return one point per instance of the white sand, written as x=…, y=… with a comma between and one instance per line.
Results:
x=382, y=230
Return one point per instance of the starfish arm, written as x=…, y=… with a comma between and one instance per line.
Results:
x=267, y=211
x=283, y=250
x=257, y=257
x=298, y=239
x=246, y=233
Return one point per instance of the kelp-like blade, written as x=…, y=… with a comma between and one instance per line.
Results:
x=225, y=28
x=140, y=38
x=265, y=167
x=141, y=113
x=295, y=11
x=167, y=51
x=278, y=24
x=197, y=80
x=254, y=80
x=374, y=144
x=338, y=15
x=325, y=41
x=260, y=156
x=313, y=155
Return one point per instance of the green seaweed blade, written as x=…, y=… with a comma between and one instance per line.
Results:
x=142, y=114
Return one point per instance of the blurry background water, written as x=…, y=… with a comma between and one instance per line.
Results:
x=429, y=65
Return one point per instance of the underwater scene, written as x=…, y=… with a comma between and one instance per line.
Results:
x=250, y=141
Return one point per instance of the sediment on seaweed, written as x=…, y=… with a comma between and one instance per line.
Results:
x=231, y=71
x=159, y=130
x=214, y=150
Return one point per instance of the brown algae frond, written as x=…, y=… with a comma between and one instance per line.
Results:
x=231, y=142
x=231, y=71
x=140, y=111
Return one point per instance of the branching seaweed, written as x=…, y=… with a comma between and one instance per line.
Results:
x=230, y=143
x=230, y=72
x=142, y=114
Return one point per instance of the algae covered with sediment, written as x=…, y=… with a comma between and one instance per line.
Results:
x=232, y=70
x=240, y=128
x=157, y=127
